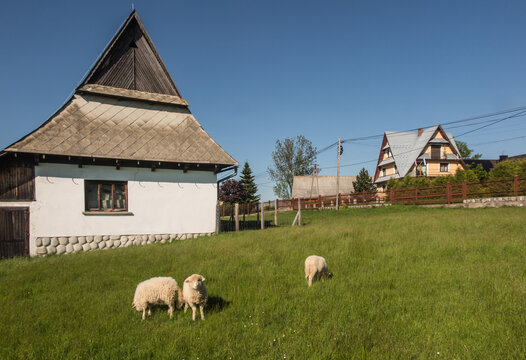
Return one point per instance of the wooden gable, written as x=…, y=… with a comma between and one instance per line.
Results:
x=131, y=62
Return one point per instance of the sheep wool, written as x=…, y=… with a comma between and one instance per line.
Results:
x=157, y=290
x=315, y=267
x=195, y=294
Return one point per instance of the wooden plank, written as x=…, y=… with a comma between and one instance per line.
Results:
x=17, y=181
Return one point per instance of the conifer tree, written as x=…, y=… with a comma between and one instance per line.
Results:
x=363, y=182
x=247, y=180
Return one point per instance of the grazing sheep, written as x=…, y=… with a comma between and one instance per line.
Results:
x=194, y=293
x=315, y=267
x=157, y=290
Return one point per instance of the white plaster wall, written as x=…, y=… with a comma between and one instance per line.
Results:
x=161, y=202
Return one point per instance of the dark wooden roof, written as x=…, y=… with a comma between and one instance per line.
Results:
x=131, y=62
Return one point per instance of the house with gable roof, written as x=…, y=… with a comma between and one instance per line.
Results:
x=428, y=152
x=123, y=162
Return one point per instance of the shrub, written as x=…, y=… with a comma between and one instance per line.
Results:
x=508, y=169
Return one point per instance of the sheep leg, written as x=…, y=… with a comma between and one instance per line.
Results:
x=194, y=310
x=202, y=310
x=310, y=280
x=170, y=310
x=185, y=307
x=149, y=310
x=143, y=313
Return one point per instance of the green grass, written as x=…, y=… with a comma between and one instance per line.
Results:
x=409, y=283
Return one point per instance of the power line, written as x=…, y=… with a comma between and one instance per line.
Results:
x=493, y=123
x=501, y=140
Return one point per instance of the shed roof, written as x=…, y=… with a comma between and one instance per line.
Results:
x=304, y=186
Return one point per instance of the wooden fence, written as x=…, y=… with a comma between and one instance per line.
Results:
x=444, y=194
x=457, y=193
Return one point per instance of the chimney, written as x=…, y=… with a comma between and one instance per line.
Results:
x=503, y=157
x=420, y=131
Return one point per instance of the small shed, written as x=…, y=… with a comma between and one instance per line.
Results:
x=314, y=186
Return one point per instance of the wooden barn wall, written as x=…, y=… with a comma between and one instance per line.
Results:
x=17, y=181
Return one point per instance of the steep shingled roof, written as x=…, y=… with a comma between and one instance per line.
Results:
x=406, y=148
x=126, y=108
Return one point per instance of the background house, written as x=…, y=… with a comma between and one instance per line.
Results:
x=123, y=162
x=428, y=152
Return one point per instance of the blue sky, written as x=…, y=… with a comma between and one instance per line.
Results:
x=257, y=71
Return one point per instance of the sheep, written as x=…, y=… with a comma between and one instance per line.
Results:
x=157, y=290
x=315, y=267
x=194, y=293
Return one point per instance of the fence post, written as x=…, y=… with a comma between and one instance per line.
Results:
x=218, y=218
x=319, y=201
x=416, y=196
x=448, y=192
x=276, y=212
x=299, y=210
x=262, y=215
x=363, y=196
x=391, y=196
x=464, y=190
x=516, y=185
x=236, y=215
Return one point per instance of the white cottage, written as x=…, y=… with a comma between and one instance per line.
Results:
x=123, y=162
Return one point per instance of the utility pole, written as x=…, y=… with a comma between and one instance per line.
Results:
x=314, y=174
x=338, y=175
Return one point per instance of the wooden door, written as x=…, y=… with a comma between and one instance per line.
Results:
x=14, y=231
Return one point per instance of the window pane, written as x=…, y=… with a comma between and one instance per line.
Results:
x=91, y=196
x=105, y=197
x=120, y=196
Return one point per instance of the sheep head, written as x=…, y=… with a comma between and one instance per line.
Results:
x=195, y=281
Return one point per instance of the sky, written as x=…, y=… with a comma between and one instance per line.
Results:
x=254, y=72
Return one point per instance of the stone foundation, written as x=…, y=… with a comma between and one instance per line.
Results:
x=71, y=244
x=495, y=202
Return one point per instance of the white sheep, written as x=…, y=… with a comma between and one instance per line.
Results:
x=157, y=290
x=315, y=267
x=194, y=293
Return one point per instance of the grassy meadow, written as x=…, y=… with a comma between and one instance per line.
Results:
x=409, y=283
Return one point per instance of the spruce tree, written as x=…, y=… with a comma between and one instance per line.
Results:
x=247, y=180
x=363, y=182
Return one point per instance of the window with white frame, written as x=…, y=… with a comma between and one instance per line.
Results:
x=444, y=167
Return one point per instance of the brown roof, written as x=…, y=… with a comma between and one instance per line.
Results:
x=106, y=127
x=127, y=109
x=309, y=186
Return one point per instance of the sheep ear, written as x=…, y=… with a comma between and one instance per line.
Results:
x=202, y=278
x=187, y=281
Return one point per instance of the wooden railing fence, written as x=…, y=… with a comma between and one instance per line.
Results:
x=457, y=193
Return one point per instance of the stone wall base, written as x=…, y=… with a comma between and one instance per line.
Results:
x=71, y=244
x=496, y=202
